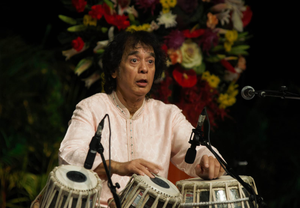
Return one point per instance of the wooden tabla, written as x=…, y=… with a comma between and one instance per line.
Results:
x=143, y=191
x=70, y=186
x=225, y=192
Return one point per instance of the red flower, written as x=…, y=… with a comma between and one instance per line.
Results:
x=185, y=78
x=247, y=16
x=162, y=90
x=97, y=11
x=227, y=65
x=165, y=48
x=193, y=34
x=79, y=5
x=119, y=21
x=77, y=44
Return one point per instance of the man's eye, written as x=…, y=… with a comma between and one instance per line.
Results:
x=134, y=60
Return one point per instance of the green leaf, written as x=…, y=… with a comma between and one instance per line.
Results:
x=239, y=50
x=200, y=69
x=104, y=29
x=77, y=28
x=100, y=51
x=240, y=47
x=244, y=34
x=131, y=17
x=109, y=3
x=217, y=58
x=245, y=53
x=68, y=20
x=218, y=48
x=83, y=65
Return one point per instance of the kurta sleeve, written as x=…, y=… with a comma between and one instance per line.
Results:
x=182, y=130
x=82, y=127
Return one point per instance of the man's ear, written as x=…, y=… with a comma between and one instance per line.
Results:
x=114, y=74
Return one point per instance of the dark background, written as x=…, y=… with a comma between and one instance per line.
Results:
x=264, y=132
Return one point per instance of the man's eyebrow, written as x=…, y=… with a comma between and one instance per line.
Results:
x=136, y=52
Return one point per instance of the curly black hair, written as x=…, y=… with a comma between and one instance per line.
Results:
x=113, y=54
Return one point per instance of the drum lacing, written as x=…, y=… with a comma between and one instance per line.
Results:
x=212, y=203
x=133, y=194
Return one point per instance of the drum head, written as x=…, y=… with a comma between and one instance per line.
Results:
x=159, y=184
x=75, y=177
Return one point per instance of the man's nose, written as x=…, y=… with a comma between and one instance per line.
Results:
x=143, y=67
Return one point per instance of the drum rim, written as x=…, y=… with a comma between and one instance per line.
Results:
x=77, y=187
x=206, y=183
x=152, y=186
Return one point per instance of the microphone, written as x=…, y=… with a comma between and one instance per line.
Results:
x=248, y=92
x=94, y=145
x=191, y=152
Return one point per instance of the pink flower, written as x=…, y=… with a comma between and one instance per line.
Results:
x=208, y=40
x=174, y=39
x=147, y=4
x=212, y=21
x=188, y=6
x=175, y=56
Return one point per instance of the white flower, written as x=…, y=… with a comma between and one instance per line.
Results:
x=71, y=52
x=167, y=19
x=131, y=10
x=224, y=17
x=101, y=45
x=153, y=26
x=91, y=79
x=237, y=7
x=191, y=54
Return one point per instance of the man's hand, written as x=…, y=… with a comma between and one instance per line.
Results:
x=138, y=166
x=209, y=168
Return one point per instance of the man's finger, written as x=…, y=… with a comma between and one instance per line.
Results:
x=217, y=169
x=211, y=168
x=204, y=163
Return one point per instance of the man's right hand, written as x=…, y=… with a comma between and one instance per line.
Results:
x=137, y=166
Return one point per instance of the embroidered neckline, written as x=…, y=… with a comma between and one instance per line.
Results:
x=124, y=110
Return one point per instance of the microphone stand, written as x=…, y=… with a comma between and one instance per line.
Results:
x=112, y=188
x=96, y=145
x=283, y=94
x=253, y=196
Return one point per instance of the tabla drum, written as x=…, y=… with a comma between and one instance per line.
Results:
x=224, y=192
x=70, y=186
x=143, y=191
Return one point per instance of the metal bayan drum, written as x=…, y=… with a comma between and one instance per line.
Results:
x=225, y=192
x=143, y=191
x=70, y=186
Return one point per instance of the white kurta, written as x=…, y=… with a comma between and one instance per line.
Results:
x=157, y=132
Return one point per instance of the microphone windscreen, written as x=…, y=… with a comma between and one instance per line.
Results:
x=190, y=156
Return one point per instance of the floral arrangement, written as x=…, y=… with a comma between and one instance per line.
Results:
x=205, y=41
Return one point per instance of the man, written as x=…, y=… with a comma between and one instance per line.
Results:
x=146, y=134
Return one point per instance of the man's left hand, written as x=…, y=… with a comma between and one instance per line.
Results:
x=209, y=168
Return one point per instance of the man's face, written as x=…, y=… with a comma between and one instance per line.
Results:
x=136, y=71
